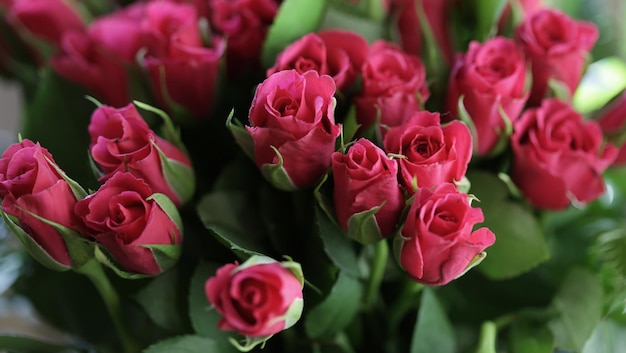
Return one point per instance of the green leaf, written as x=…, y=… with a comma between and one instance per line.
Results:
x=520, y=244
x=579, y=304
x=50, y=120
x=203, y=318
x=159, y=299
x=184, y=344
x=337, y=19
x=603, y=80
x=233, y=218
x=337, y=245
x=531, y=339
x=295, y=18
x=337, y=310
x=26, y=344
x=609, y=336
x=34, y=249
x=433, y=332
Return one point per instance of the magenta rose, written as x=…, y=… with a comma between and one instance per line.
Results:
x=121, y=141
x=558, y=158
x=431, y=154
x=182, y=70
x=333, y=52
x=437, y=242
x=132, y=224
x=612, y=120
x=258, y=298
x=292, y=119
x=365, y=178
x=394, y=86
x=557, y=47
x=31, y=185
x=245, y=24
x=490, y=76
x=45, y=19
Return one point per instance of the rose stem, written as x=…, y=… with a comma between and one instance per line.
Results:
x=93, y=270
x=377, y=272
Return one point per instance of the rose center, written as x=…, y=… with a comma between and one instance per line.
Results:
x=287, y=106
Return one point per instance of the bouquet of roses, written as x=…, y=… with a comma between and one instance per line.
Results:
x=314, y=176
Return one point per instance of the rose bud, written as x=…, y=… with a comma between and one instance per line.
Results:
x=141, y=230
x=612, y=120
x=245, y=23
x=45, y=19
x=258, y=298
x=122, y=141
x=437, y=244
x=490, y=76
x=431, y=154
x=366, y=188
x=293, y=128
x=394, y=86
x=558, y=158
x=183, y=72
x=38, y=202
x=557, y=47
x=333, y=52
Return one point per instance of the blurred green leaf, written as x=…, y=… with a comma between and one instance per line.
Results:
x=488, y=13
x=603, y=80
x=433, y=331
x=337, y=245
x=337, y=310
x=10, y=343
x=579, y=304
x=295, y=18
x=530, y=339
x=161, y=300
x=609, y=337
x=184, y=344
x=519, y=245
x=488, y=338
x=338, y=19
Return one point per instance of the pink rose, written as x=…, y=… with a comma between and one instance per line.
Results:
x=31, y=183
x=245, y=24
x=437, y=243
x=294, y=114
x=125, y=218
x=556, y=46
x=366, y=178
x=121, y=141
x=490, y=76
x=394, y=86
x=612, y=120
x=333, y=52
x=432, y=154
x=45, y=19
x=558, y=157
x=258, y=298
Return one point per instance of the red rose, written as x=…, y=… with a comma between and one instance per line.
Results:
x=394, y=86
x=556, y=46
x=294, y=114
x=258, y=298
x=333, y=52
x=437, y=243
x=31, y=184
x=366, y=178
x=557, y=157
x=612, y=120
x=125, y=218
x=432, y=154
x=121, y=141
x=183, y=72
x=45, y=19
x=489, y=76
x=245, y=24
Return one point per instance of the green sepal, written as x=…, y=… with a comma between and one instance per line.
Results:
x=177, y=175
x=169, y=131
x=475, y=261
x=249, y=343
x=504, y=136
x=363, y=227
x=165, y=255
x=290, y=265
x=463, y=185
x=169, y=208
x=559, y=90
x=102, y=256
x=465, y=117
x=435, y=62
x=241, y=135
x=323, y=201
x=277, y=175
x=33, y=248
x=77, y=189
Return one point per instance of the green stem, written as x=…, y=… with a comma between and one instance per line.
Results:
x=377, y=272
x=488, y=335
x=93, y=270
x=407, y=299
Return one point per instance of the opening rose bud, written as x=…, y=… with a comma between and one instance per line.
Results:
x=142, y=231
x=258, y=298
